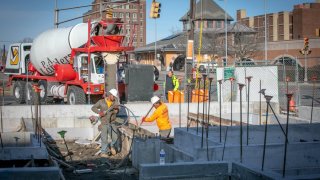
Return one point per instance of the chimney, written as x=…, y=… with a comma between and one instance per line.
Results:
x=241, y=13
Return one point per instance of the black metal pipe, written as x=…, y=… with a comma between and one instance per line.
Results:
x=199, y=79
x=207, y=135
x=289, y=96
x=220, y=82
x=268, y=98
x=188, y=98
x=248, y=107
x=240, y=89
x=204, y=76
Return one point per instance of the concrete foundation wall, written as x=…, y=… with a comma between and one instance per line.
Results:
x=186, y=170
x=75, y=118
x=297, y=133
x=305, y=113
x=148, y=151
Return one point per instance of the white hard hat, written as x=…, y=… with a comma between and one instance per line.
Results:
x=114, y=92
x=155, y=99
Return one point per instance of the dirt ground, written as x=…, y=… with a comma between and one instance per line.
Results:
x=83, y=157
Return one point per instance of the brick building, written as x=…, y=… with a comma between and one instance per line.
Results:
x=302, y=22
x=129, y=13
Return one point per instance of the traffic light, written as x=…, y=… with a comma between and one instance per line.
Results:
x=155, y=9
x=306, y=43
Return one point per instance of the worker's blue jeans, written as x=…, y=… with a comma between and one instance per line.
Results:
x=108, y=137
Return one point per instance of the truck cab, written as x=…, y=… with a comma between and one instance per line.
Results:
x=96, y=68
x=18, y=58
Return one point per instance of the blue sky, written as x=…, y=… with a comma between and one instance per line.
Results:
x=28, y=18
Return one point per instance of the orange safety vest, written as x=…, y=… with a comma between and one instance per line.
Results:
x=161, y=116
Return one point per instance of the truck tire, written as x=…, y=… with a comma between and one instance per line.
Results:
x=30, y=94
x=43, y=93
x=18, y=91
x=76, y=95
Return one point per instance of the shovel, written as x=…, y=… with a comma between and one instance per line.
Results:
x=146, y=115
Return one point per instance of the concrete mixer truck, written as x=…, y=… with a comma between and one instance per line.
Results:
x=57, y=62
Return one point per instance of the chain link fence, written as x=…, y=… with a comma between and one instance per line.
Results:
x=278, y=80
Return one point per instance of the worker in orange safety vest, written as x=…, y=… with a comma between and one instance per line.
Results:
x=161, y=115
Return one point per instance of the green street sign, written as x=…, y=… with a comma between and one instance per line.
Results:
x=228, y=72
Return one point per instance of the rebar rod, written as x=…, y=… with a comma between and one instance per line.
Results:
x=312, y=101
x=2, y=104
x=220, y=82
x=289, y=96
x=203, y=108
x=268, y=98
x=224, y=144
x=198, y=105
x=40, y=122
x=260, y=113
x=180, y=109
x=276, y=118
x=248, y=107
x=231, y=81
x=240, y=88
x=207, y=135
x=188, y=115
x=1, y=140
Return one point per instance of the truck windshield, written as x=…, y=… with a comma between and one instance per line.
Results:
x=98, y=61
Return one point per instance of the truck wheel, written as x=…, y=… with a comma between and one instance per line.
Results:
x=43, y=93
x=19, y=91
x=30, y=94
x=76, y=95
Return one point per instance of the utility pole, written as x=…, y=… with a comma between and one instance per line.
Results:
x=190, y=49
x=56, y=14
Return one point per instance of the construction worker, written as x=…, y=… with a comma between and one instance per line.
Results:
x=107, y=108
x=161, y=115
x=171, y=84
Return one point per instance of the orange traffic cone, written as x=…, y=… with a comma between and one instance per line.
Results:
x=292, y=105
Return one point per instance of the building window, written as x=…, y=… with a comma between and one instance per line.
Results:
x=121, y=15
x=218, y=24
x=141, y=15
x=127, y=15
x=209, y=24
x=115, y=15
x=134, y=15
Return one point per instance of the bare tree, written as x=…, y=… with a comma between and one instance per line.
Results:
x=212, y=43
x=243, y=45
